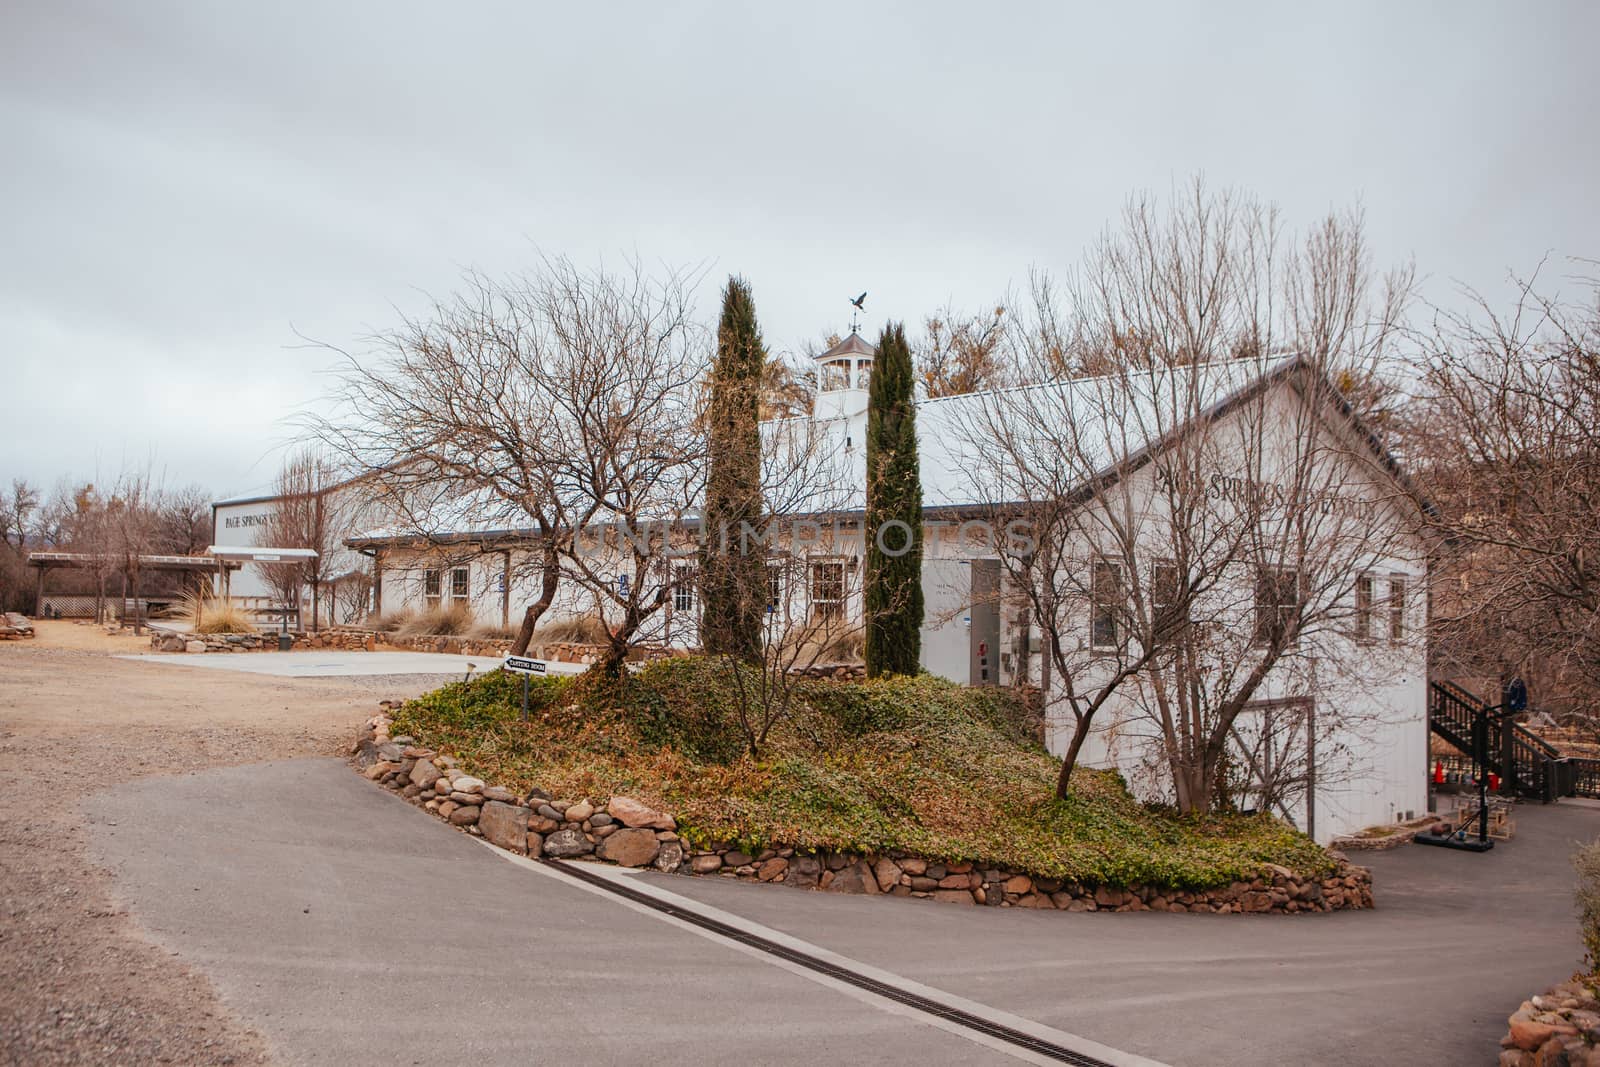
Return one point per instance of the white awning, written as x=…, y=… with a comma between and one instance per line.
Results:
x=260, y=553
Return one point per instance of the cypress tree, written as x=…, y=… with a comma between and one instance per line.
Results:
x=893, y=593
x=733, y=582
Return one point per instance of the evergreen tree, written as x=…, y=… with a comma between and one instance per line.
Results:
x=733, y=581
x=893, y=592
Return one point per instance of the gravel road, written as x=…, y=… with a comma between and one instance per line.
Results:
x=82, y=984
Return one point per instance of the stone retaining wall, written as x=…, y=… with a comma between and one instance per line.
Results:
x=624, y=831
x=1560, y=1026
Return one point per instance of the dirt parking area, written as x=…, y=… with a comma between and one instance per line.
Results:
x=82, y=636
x=82, y=984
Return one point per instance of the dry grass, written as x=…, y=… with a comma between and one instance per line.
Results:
x=450, y=620
x=217, y=616
x=584, y=630
x=387, y=623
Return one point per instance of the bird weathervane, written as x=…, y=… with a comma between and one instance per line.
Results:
x=860, y=305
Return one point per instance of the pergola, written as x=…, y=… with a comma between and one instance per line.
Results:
x=46, y=562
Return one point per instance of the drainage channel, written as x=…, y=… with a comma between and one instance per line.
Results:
x=998, y=1031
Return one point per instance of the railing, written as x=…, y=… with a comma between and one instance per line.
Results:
x=1584, y=776
x=1453, y=713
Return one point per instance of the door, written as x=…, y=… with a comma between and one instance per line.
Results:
x=984, y=636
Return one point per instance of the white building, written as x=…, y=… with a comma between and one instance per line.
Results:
x=1348, y=706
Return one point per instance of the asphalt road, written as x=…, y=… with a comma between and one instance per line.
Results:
x=1457, y=941
x=351, y=928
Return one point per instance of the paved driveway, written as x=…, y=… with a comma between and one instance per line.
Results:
x=350, y=927
x=1457, y=942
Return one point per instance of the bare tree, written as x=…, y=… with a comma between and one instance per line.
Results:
x=1507, y=428
x=545, y=404
x=306, y=513
x=1181, y=553
x=127, y=532
x=960, y=352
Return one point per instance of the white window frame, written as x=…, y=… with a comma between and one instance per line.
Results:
x=832, y=607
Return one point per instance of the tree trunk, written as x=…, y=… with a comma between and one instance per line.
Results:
x=1080, y=734
x=549, y=576
x=316, y=605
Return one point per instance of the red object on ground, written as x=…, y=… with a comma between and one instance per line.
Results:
x=1438, y=773
x=1494, y=782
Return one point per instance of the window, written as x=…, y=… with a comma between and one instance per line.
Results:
x=774, y=584
x=835, y=375
x=460, y=583
x=827, y=589
x=1169, y=612
x=683, y=581
x=1397, y=608
x=430, y=588
x=1277, y=605
x=1105, y=604
x=1362, y=628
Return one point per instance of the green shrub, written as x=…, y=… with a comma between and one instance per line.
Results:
x=898, y=763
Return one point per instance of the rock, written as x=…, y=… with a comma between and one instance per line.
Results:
x=539, y=824
x=923, y=884
x=734, y=858
x=505, y=825
x=194, y=646
x=1106, y=897
x=887, y=873
x=953, y=896
x=379, y=769
x=857, y=878
x=535, y=845
x=1019, y=884
x=390, y=751
x=803, y=871
x=366, y=753
x=500, y=793
x=633, y=847
x=707, y=864
x=955, y=881
x=913, y=865
x=465, y=815
x=772, y=869
x=564, y=844
x=631, y=812
x=443, y=807
x=546, y=811
x=670, y=858
x=424, y=774
x=465, y=783
x=469, y=798
x=1528, y=1034
x=600, y=818
x=579, y=811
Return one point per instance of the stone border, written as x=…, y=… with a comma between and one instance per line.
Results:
x=1560, y=1026
x=629, y=833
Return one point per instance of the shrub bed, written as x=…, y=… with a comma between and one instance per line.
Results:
x=914, y=767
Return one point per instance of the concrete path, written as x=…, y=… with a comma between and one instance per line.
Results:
x=333, y=664
x=351, y=928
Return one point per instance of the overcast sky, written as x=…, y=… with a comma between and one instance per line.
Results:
x=187, y=186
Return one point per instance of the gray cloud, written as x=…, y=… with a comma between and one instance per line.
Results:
x=186, y=185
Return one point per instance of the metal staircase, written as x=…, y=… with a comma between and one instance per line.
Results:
x=1528, y=766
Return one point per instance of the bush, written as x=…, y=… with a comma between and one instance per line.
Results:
x=1587, y=863
x=218, y=616
x=580, y=630
x=387, y=623
x=450, y=620
x=900, y=763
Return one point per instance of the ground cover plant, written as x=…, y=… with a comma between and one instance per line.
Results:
x=899, y=763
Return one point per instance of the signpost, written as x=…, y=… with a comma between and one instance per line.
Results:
x=525, y=665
